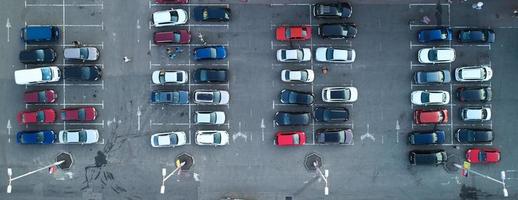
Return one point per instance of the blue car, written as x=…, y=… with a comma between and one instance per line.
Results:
x=432, y=77
x=170, y=97
x=210, y=53
x=426, y=137
x=434, y=35
x=35, y=137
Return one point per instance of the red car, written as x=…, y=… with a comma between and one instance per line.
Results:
x=46, y=116
x=180, y=37
x=287, y=33
x=478, y=155
x=293, y=138
x=431, y=116
x=171, y=1
x=79, y=114
x=40, y=96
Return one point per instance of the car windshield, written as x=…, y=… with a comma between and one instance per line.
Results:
x=81, y=114
x=439, y=156
x=205, y=14
x=174, y=138
x=341, y=136
x=40, y=54
x=83, y=53
x=40, y=137
x=329, y=54
x=484, y=113
x=283, y=54
x=432, y=55
x=46, y=74
x=303, y=76
x=217, y=138
x=213, y=53
x=482, y=156
x=425, y=97
x=42, y=96
x=288, y=32
x=40, y=116
x=82, y=136
x=174, y=16
x=85, y=73
x=339, y=94
x=296, y=139
x=217, y=97
x=177, y=37
x=161, y=77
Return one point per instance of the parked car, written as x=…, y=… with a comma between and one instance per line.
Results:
x=212, y=137
x=161, y=77
x=474, y=94
x=35, y=33
x=171, y=1
x=332, y=10
x=292, y=118
x=330, y=54
x=212, y=14
x=296, y=97
x=38, y=56
x=211, y=76
x=433, y=116
x=83, y=73
x=436, y=55
x=439, y=34
x=80, y=136
x=169, y=139
x=294, y=55
x=181, y=36
x=214, y=97
x=81, y=53
x=35, y=137
x=475, y=113
x=45, y=116
x=430, y=97
x=170, y=97
x=209, y=117
x=467, y=135
x=339, y=94
x=427, y=157
x=337, y=30
x=288, y=33
x=482, y=155
x=476, y=36
x=170, y=17
x=432, y=77
x=210, y=53
x=290, y=138
x=473, y=73
x=334, y=136
x=37, y=75
x=331, y=114
x=40, y=96
x=87, y=113
x=426, y=137
x=300, y=76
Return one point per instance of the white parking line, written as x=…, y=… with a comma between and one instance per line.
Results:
x=204, y=25
x=69, y=84
x=60, y=5
x=74, y=25
x=290, y=4
x=190, y=64
x=68, y=104
x=63, y=45
x=81, y=123
x=426, y=4
x=191, y=44
x=189, y=4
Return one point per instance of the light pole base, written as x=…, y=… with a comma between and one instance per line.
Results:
x=188, y=159
x=67, y=157
x=310, y=160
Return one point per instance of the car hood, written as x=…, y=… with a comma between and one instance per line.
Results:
x=224, y=97
x=155, y=77
x=422, y=56
x=320, y=54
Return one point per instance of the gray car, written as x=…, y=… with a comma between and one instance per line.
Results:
x=81, y=53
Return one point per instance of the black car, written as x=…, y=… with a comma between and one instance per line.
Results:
x=211, y=75
x=38, y=56
x=296, y=97
x=332, y=10
x=212, y=13
x=334, y=136
x=432, y=77
x=170, y=97
x=82, y=73
x=476, y=36
x=466, y=135
x=427, y=157
x=337, y=30
x=474, y=94
x=292, y=118
x=335, y=114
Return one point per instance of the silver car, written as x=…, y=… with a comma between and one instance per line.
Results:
x=82, y=136
x=212, y=137
x=329, y=54
x=214, y=97
x=81, y=53
x=209, y=117
x=475, y=113
x=473, y=73
x=294, y=55
x=304, y=76
x=339, y=94
x=436, y=55
x=168, y=139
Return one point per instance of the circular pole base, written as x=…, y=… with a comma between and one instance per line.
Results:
x=310, y=160
x=188, y=159
x=67, y=157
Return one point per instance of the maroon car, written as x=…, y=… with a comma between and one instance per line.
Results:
x=40, y=96
x=179, y=36
x=171, y=1
x=79, y=114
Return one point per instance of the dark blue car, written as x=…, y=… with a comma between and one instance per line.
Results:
x=35, y=137
x=210, y=53
x=432, y=77
x=170, y=97
x=426, y=137
x=434, y=35
x=476, y=36
x=212, y=13
x=32, y=33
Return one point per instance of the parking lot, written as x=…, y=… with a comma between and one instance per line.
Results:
x=123, y=165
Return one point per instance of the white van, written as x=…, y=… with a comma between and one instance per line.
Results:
x=37, y=75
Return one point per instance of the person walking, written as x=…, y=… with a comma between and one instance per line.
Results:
x=478, y=5
x=125, y=59
x=325, y=70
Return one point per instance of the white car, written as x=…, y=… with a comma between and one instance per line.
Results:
x=209, y=117
x=294, y=55
x=81, y=53
x=305, y=75
x=475, y=114
x=83, y=136
x=213, y=137
x=215, y=97
x=430, y=97
x=473, y=73
x=170, y=17
x=329, y=54
x=161, y=77
x=168, y=139
x=37, y=75
x=436, y=55
x=339, y=94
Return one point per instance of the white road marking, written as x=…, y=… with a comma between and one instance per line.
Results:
x=367, y=135
x=9, y=130
x=8, y=26
x=239, y=134
x=262, y=128
x=138, y=117
x=397, y=131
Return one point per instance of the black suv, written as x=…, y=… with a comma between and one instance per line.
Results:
x=337, y=30
x=427, y=157
x=474, y=94
x=466, y=135
x=82, y=73
x=325, y=114
x=334, y=136
x=38, y=56
x=292, y=118
x=332, y=10
x=296, y=97
x=210, y=76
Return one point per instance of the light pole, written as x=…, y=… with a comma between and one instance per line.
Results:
x=10, y=174
x=324, y=176
x=164, y=172
x=502, y=176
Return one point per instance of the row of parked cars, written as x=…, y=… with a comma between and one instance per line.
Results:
x=465, y=94
x=323, y=114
